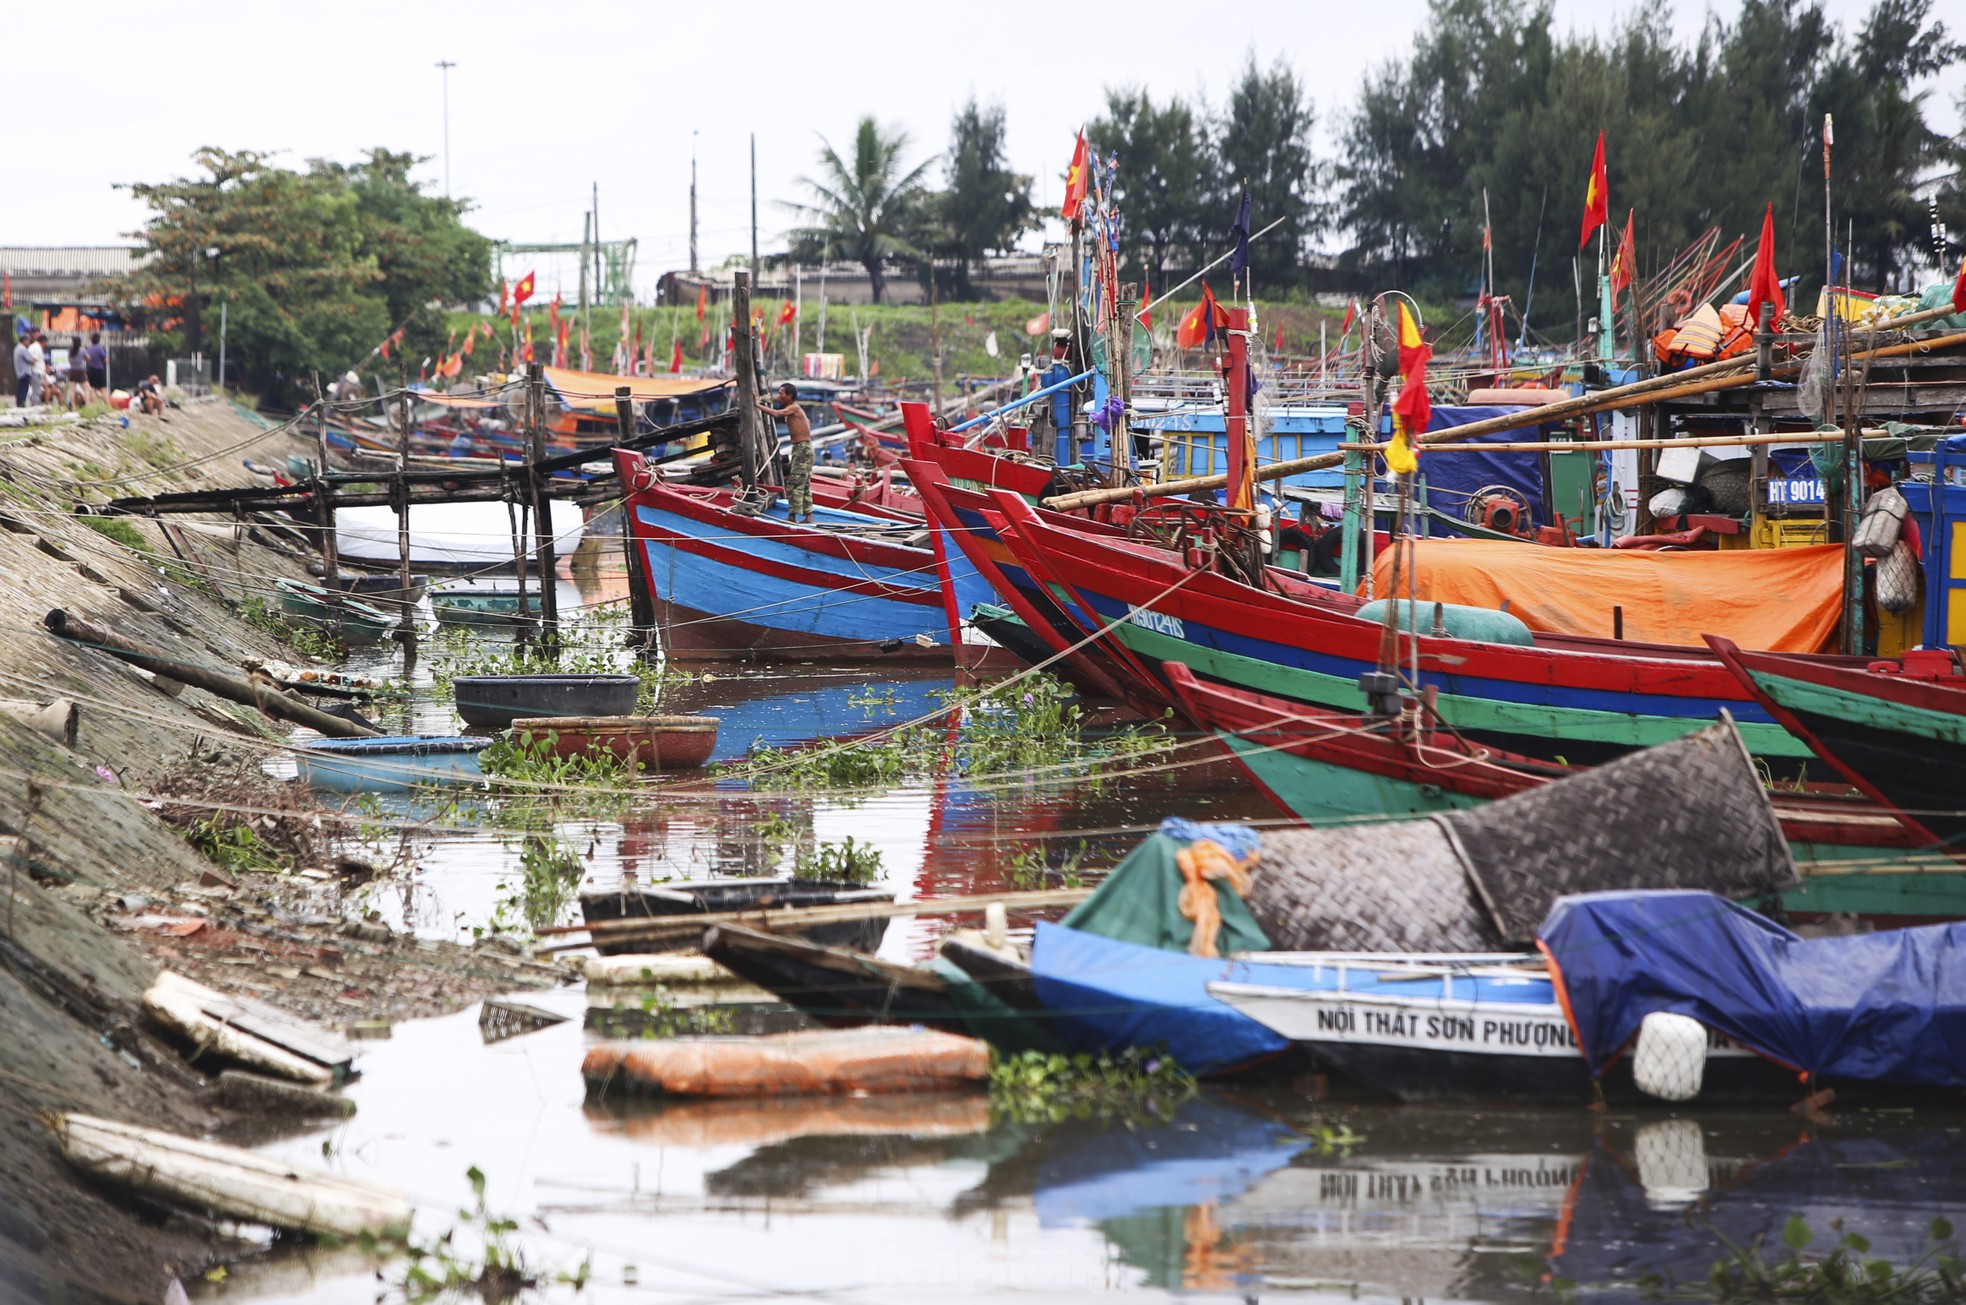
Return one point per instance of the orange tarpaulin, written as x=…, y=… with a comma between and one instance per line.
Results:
x=1773, y=599
x=594, y=391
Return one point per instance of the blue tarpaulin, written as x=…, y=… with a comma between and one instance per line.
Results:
x=1104, y=995
x=1454, y=478
x=1887, y=1007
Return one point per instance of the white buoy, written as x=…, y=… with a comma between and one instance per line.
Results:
x=1670, y=1060
x=996, y=925
x=1672, y=1162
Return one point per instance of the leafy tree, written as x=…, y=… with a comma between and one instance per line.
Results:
x=987, y=206
x=1163, y=164
x=313, y=267
x=866, y=208
x=1263, y=140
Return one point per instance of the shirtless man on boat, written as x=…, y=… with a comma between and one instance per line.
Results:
x=798, y=479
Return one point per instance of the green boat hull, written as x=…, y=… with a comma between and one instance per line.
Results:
x=1473, y=714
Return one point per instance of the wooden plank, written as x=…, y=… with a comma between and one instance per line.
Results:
x=309, y=1041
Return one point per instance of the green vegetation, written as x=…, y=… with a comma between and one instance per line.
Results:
x=444, y=1268
x=321, y=645
x=549, y=877
x=1031, y=725
x=842, y=862
x=1497, y=99
x=1845, y=1275
x=231, y=844
x=1034, y=1087
x=1028, y=869
x=315, y=267
x=657, y=1014
x=123, y=531
x=526, y=757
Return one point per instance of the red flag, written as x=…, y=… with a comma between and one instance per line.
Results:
x=1764, y=287
x=1622, y=261
x=1146, y=297
x=1351, y=315
x=676, y=356
x=470, y=343
x=1597, y=196
x=522, y=291
x=787, y=313
x=1078, y=179
x=1277, y=347
x=486, y=327
x=704, y=343
x=553, y=314
x=504, y=296
x=635, y=353
x=702, y=300
x=1959, y=289
x=560, y=334
x=1198, y=325
x=1412, y=410
x=385, y=346
x=874, y=368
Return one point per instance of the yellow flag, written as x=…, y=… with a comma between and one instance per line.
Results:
x=1399, y=454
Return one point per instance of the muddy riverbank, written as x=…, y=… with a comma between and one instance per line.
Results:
x=103, y=893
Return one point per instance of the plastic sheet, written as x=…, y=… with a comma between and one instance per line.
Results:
x=1886, y=1008
x=1770, y=599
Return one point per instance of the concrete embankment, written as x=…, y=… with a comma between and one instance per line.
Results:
x=100, y=891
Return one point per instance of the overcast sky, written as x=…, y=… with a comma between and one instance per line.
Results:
x=546, y=100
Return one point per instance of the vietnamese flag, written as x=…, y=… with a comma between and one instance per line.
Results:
x=1078, y=180
x=522, y=291
x=1622, y=261
x=1147, y=297
x=1198, y=325
x=504, y=296
x=702, y=300
x=1764, y=287
x=1959, y=289
x=676, y=356
x=787, y=313
x=1277, y=347
x=1040, y=324
x=1597, y=196
x=470, y=343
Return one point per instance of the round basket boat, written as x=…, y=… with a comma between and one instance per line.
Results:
x=655, y=742
x=394, y=764
x=495, y=701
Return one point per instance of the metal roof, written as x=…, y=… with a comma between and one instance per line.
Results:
x=68, y=260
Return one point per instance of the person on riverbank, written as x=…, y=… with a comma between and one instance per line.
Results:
x=23, y=368
x=150, y=396
x=37, y=371
x=798, y=478
x=79, y=393
x=95, y=360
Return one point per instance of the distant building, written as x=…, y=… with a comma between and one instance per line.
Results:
x=1014, y=276
x=64, y=274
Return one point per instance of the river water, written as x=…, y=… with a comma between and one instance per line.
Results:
x=1249, y=1192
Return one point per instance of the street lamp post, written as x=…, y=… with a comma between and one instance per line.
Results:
x=446, y=65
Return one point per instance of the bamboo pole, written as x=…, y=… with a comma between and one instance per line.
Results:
x=1672, y=385
x=267, y=699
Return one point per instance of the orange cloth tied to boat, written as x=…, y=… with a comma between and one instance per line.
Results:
x=1769, y=599
x=1201, y=861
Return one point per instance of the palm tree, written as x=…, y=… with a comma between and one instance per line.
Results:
x=865, y=208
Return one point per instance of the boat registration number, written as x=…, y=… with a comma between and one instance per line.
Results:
x=1159, y=622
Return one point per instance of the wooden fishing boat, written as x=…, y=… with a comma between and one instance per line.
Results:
x=496, y=701
x=1897, y=730
x=348, y=619
x=835, y=985
x=1855, y=857
x=1555, y=696
x=731, y=586
x=475, y=537
x=486, y=606
x=969, y=988
x=384, y=590
x=654, y=743
x=391, y=764
x=633, y=901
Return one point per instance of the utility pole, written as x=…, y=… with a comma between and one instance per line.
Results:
x=754, y=210
x=542, y=520
x=446, y=65
x=597, y=242
x=745, y=361
x=693, y=268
